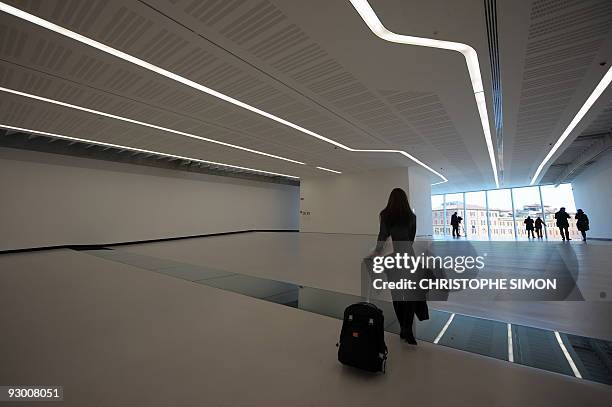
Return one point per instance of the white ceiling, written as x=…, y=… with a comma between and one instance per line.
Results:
x=314, y=63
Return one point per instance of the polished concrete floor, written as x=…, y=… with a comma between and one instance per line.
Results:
x=117, y=335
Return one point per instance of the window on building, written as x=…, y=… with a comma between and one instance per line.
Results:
x=501, y=220
x=437, y=208
x=476, y=219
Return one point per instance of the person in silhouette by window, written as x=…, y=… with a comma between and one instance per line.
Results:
x=561, y=216
x=582, y=223
x=529, y=227
x=538, y=226
x=455, y=221
x=399, y=222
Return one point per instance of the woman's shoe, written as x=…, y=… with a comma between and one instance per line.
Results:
x=411, y=339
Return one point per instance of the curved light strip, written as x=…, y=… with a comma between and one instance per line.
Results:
x=153, y=126
x=170, y=75
x=599, y=89
x=471, y=59
x=140, y=150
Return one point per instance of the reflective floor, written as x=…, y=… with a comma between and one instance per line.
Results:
x=332, y=262
x=574, y=355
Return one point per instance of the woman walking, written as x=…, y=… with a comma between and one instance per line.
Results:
x=399, y=222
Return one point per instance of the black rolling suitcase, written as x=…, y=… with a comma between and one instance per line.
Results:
x=362, y=339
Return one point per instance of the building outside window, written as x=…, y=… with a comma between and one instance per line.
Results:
x=437, y=207
x=501, y=220
x=476, y=215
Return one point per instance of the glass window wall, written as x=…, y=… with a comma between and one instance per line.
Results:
x=500, y=214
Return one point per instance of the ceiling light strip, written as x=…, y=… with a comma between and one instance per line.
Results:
x=327, y=169
x=153, y=126
x=140, y=150
x=471, y=59
x=599, y=89
x=170, y=75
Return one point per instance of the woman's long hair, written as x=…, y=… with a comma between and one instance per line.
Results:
x=397, y=211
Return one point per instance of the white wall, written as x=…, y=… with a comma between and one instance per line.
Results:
x=50, y=199
x=593, y=193
x=419, y=195
x=351, y=202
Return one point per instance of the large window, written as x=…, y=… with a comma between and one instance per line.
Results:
x=500, y=214
x=437, y=214
x=553, y=198
x=476, y=215
x=526, y=204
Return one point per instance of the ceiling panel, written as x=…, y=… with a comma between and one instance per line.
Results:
x=564, y=43
x=589, y=140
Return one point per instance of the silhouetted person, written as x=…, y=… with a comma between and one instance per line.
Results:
x=398, y=221
x=529, y=227
x=538, y=226
x=455, y=221
x=582, y=223
x=561, y=216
